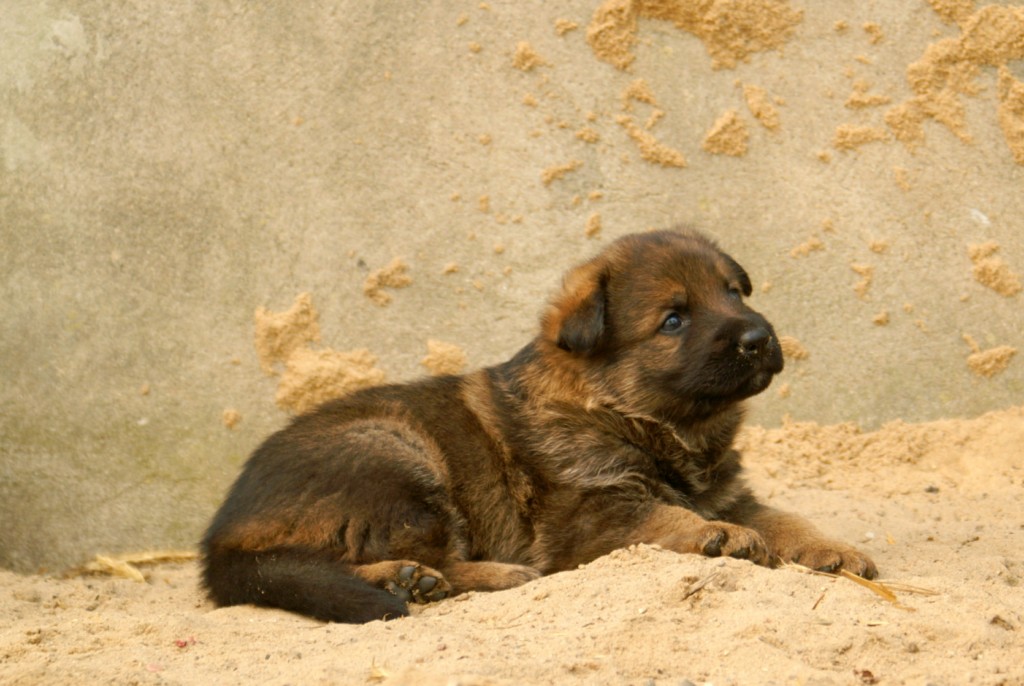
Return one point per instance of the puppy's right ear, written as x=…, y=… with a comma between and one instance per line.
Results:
x=575, y=320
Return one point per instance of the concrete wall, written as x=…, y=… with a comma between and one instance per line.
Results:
x=166, y=168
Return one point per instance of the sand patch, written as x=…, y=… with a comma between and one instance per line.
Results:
x=937, y=505
x=731, y=30
x=860, y=97
x=638, y=91
x=651, y=149
x=761, y=106
x=444, y=358
x=953, y=11
x=878, y=246
x=312, y=377
x=525, y=58
x=852, y=136
x=564, y=26
x=990, y=36
x=727, y=136
x=812, y=244
x=793, y=349
x=394, y=275
x=992, y=271
x=875, y=33
x=867, y=274
x=810, y=450
x=901, y=175
x=655, y=116
x=309, y=377
x=558, y=171
x=230, y=417
x=279, y=334
x=1011, y=112
x=988, y=363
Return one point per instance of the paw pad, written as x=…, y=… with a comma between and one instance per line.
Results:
x=413, y=585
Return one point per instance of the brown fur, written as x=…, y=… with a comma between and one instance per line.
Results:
x=613, y=427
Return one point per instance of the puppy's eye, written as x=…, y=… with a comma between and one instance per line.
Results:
x=735, y=293
x=672, y=324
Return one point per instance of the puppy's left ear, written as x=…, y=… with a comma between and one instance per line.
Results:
x=741, y=275
x=575, y=320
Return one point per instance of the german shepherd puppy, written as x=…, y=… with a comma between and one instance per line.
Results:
x=612, y=427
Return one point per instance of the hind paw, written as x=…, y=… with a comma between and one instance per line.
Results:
x=417, y=584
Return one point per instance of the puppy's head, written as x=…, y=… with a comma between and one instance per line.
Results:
x=658, y=323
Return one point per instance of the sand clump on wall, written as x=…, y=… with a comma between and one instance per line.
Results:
x=394, y=275
x=990, y=36
x=555, y=172
x=443, y=358
x=852, y=136
x=279, y=334
x=310, y=376
x=1011, y=112
x=564, y=26
x=793, y=349
x=230, y=417
x=525, y=58
x=812, y=244
x=866, y=273
x=861, y=98
x=639, y=91
x=731, y=30
x=988, y=363
x=992, y=271
x=953, y=11
x=727, y=136
x=761, y=106
x=650, y=148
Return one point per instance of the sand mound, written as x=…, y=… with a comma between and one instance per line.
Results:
x=938, y=506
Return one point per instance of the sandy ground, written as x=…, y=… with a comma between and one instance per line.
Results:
x=938, y=505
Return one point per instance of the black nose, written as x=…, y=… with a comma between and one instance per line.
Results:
x=754, y=340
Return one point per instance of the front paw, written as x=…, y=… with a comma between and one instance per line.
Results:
x=720, y=538
x=831, y=557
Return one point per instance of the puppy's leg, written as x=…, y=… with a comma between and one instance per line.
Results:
x=792, y=538
x=413, y=582
x=487, y=576
x=683, y=531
